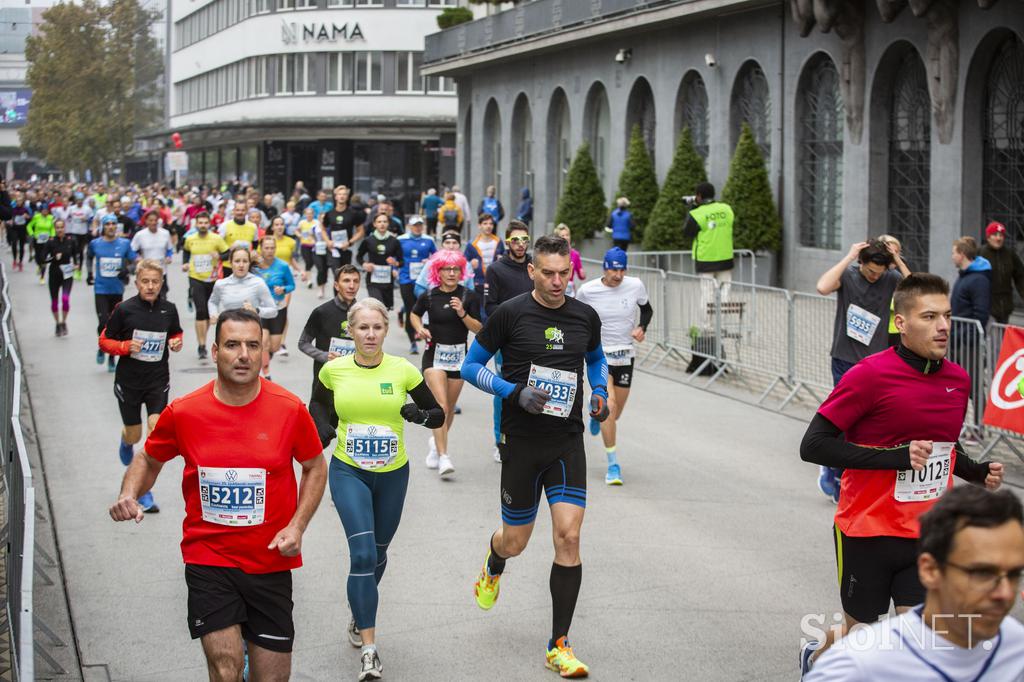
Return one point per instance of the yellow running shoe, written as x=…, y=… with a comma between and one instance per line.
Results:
x=562, y=660
x=487, y=587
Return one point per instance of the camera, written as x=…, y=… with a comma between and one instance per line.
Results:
x=623, y=55
x=709, y=59
x=689, y=199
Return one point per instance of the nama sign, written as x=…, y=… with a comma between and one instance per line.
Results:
x=319, y=33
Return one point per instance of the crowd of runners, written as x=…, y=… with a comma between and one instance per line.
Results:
x=511, y=311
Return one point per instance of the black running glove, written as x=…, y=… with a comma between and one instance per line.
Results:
x=532, y=399
x=413, y=414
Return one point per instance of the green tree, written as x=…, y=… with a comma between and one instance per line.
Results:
x=638, y=183
x=453, y=16
x=95, y=72
x=749, y=193
x=581, y=205
x=665, y=228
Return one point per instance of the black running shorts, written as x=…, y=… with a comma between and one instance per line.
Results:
x=219, y=597
x=556, y=463
x=621, y=375
x=201, y=292
x=874, y=571
x=275, y=325
x=130, y=401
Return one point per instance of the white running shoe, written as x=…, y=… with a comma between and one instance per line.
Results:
x=371, y=667
x=497, y=455
x=431, y=453
x=445, y=466
x=354, y=638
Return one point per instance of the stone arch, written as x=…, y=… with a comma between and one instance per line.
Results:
x=751, y=103
x=559, y=130
x=522, y=144
x=692, y=110
x=492, y=145
x=597, y=126
x=819, y=136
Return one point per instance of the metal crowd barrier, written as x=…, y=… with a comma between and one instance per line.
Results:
x=745, y=269
x=19, y=527
x=740, y=329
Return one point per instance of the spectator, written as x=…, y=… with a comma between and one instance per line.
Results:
x=709, y=225
x=971, y=300
x=896, y=247
x=621, y=224
x=864, y=293
x=971, y=554
x=490, y=204
x=483, y=250
x=1007, y=271
x=431, y=203
x=450, y=216
x=463, y=203
x=269, y=209
x=524, y=213
x=321, y=205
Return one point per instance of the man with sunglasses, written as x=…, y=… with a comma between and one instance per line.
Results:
x=970, y=562
x=505, y=279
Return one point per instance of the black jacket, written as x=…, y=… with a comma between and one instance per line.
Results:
x=506, y=279
x=1007, y=273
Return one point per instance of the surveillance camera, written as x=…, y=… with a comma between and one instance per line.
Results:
x=623, y=55
x=709, y=59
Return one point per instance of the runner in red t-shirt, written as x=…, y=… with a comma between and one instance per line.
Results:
x=892, y=423
x=244, y=520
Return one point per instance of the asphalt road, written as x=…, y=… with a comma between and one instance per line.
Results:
x=701, y=567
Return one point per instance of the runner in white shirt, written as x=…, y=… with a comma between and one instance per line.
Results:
x=971, y=559
x=79, y=223
x=154, y=242
x=616, y=298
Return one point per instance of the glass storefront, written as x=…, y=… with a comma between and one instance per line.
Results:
x=400, y=171
x=249, y=164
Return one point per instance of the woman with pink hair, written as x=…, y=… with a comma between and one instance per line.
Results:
x=452, y=311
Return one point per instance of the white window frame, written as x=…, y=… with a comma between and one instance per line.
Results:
x=285, y=5
x=305, y=4
x=344, y=62
x=442, y=3
x=369, y=3
x=261, y=6
x=260, y=76
x=339, y=3
x=285, y=85
x=416, y=82
x=441, y=81
x=411, y=3
x=369, y=56
x=304, y=74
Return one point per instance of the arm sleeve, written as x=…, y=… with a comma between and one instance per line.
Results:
x=969, y=469
x=824, y=444
x=266, y=305
x=646, y=315
x=690, y=228
x=306, y=346
x=474, y=370
x=425, y=400
x=597, y=371
x=162, y=443
x=213, y=304
x=289, y=281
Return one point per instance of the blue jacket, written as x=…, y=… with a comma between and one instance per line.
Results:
x=622, y=224
x=415, y=251
x=972, y=292
x=431, y=203
x=525, y=210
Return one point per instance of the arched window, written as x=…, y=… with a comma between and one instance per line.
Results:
x=492, y=145
x=522, y=145
x=752, y=104
x=692, y=104
x=820, y=132
x=558, y=143
x=597, y=125
x=640, y=111
x=1003, y=174
x=910, y=134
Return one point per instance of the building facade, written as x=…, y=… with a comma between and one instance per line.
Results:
x=326, y=92
x=873, y=116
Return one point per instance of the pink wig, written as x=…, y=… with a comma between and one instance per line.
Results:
x=444, y=259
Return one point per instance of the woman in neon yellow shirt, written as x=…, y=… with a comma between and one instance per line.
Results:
x=369, y=472
x=307, y=243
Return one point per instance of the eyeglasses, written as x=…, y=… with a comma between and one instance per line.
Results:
x=518, y=240
x=455, y=270
x=988, y=579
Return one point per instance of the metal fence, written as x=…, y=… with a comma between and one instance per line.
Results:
x=19, y=529
x=741, y=330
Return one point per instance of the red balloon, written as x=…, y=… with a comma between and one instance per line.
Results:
x=176, y=139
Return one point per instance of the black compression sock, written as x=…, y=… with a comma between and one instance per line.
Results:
x=565, y=588
x=495, y=562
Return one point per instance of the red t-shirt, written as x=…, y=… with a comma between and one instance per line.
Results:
x=230, y=444
x=884, y=402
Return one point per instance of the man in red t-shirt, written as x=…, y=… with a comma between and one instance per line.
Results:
x=243, y=521
x=892, y=423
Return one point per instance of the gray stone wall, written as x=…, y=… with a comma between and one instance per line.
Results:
x=664, y=55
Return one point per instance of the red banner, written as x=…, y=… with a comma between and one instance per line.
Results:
x=1005, y=408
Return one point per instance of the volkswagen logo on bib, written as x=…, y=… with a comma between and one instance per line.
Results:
x=556, y=375
x=231, y=475
x=372, y=430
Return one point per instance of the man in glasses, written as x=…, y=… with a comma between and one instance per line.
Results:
x=970, y=563
x=507, y=278
x=892, y=423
